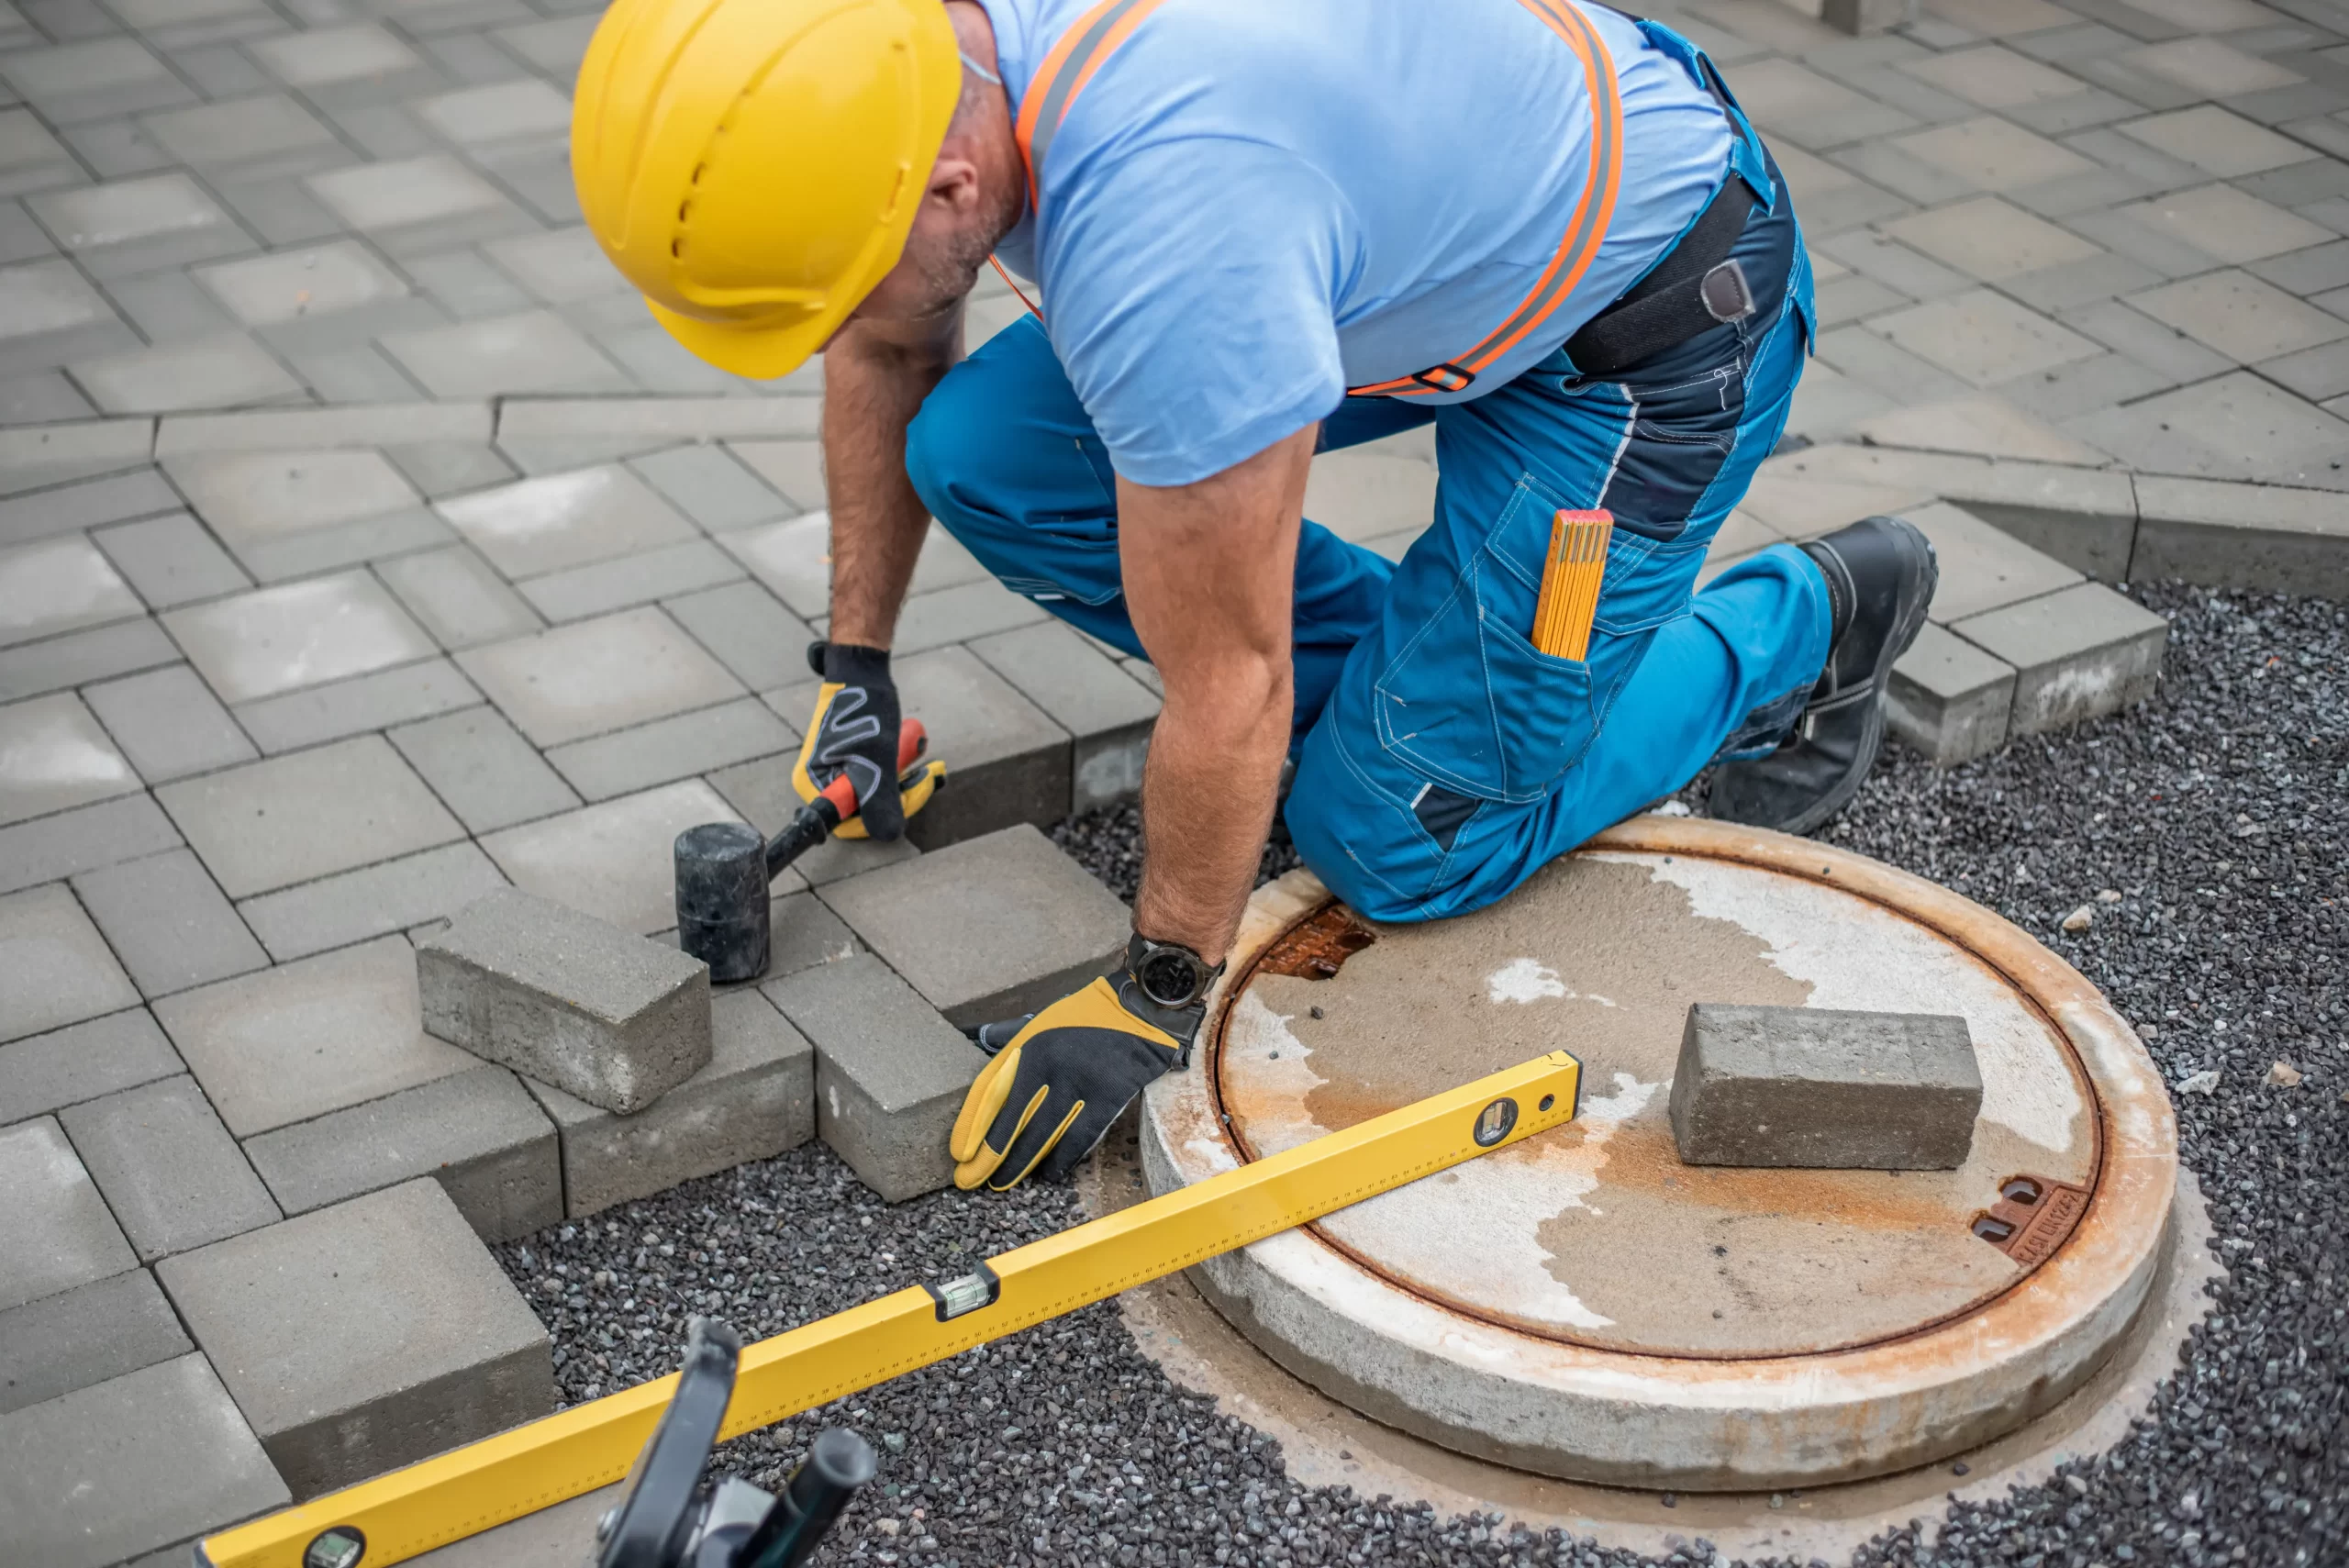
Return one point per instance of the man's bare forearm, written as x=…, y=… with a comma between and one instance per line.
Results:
x=875, y=380
x=1209, y=573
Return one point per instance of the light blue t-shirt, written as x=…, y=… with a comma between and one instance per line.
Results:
x=1253, y=204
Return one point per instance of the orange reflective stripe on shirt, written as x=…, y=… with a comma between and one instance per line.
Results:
x=1082, y=48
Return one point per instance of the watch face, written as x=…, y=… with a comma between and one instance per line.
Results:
x=1169, y=979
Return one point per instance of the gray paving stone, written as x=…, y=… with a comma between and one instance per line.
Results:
x=592, y=677
x=958, y=614
x=133, y=226
x=84, y=1336
x=1983, y=337
x=53, y=755
x=793, y=558
x=802, y=933
x=1983, y=567
x=2240, y=316
x=287, y=820
x=42, y=397
x=458, y=599
x=465, y=285
x=266, y=137
x=1813, y=1087
x=417, y=204
x=291, y=514
x=90, y=504
x=34, y=459
x=567, y=999
x=319, y=429
x=549, y=434
x=213, y=372
x=547, y=1539
x=614, y=860
x=297, y=634
x=631, y=580
x=2261, y=536
x=527, y=109
x=281, y=213
x=389, y=895
x=31, y=158
x=55, y=1230
x=554, y=47
x=560, y=267
x=54, y=967
x=713, y=488
x=57, y=586
x=2077, y=653
x=365, y=702
x=890, y=1073
x=755, y=1099
x=168, y=922
x=168, y=307
x=169, y=1171
x=93, y=80
x=2218, y=141
x=1107, y=714
x=762, y=643
x=330, y=55
x=482, y=769
x=2154, y=344
x=987, y=928
x=2236, y=426
x=168, y=723
x=675, y=748
x=54, y=846
x=83, y=1061
x=533, y=352
x=478, y=1133
x=1008, y=761
x=795, y=468
x=366, y=1336
x=566, y=521
x=448, y=467
x=145, y=1460
x=294, y=1042
x=78, y=658
x=49, y=315
x=302, y=285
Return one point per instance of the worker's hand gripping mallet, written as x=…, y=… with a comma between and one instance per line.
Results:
x=723, y=868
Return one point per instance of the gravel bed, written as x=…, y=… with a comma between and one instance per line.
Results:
x=2219, y=813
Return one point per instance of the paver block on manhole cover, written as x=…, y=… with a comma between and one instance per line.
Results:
x=567, y=999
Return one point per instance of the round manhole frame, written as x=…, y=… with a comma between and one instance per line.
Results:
x=1696, y=1422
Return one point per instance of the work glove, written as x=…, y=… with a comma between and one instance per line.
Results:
x=854, y=731
x=1060, y=1077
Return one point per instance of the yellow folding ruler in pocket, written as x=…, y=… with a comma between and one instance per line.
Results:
x=1571, y=576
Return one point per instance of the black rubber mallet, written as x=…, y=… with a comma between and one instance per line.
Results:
x=723, y=868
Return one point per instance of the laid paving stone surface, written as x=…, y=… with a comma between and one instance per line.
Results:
x=54, y=756
x=987, y=928
x=83, y=1061
x=614, y=860
x=55, y=1230
x=568, y=999
x=1106, y=712
x=169, y=922
x=366, y=1336
x=120, y=1468
x=1948, y=699
x=2077, y=653
x=593, y=677
x=86, y=1334
x=169, y=1171
x=54, y=967
x=756, y=1098
x=297, y=634
x=478, y=1133
x=168, y=723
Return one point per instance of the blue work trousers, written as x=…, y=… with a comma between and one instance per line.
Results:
x=1441, y=760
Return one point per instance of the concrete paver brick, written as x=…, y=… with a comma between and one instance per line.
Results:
x=282, y=512
x=1990, y=239
x=93, y=80
x=547, y=1539
x=321, y=429
x=52, y=847
x=614, y=860
x=168, y=723
x=131, y=226
x=171, y=1173
x=2227, y=224
x=212, y=372
x=1992, y=77
x=533, y=352
x=711, y=486
x=591, y=677
x=1983, y=337
x=54, y=967
x=1107, y=714
x=565, y=520
x=366, y=1336
x=458, y=599
x=795, y=468
x=762, y=643
x=55, y=1230
x=2263, y=537
x=2218, y=141
x=1009, y=761
x=85, y=1336
x=296, y=634
x=418, y=205
x=1976, y=424
x=482, y=769
x=2240, y=316
x=506, y=111
x=987, y=928
x=2163, y=349
x=1983, y=567
x=308, y=814
x=2210, y=68
x=465, y=285
x=554, y=47
x=890, y=1073
x=567, y=999
x=294, y=1042
x=2077, y=653
x=389, y=895
x=316, y=714
x=33, y=459
x=54, y=755
x=478, y=1133
x=755, y=1099
x=1809, y=1086
x=670, y=749
x=142, y=1460
x=1993, y=154
x=92, y=503
x=2236, y=427
x=1360, y=494
x=80, y=657
x=327, y=55
x=260, y=137
x=560, y=267
x=168, y=922
x=631, y=580
x=172, y=560
x=57, y=586
x=83, y=1061
x=2315, y=374
x=793, y=558
x=802, y=932
x=31, y=158
x=50, y=315
x=956, y=615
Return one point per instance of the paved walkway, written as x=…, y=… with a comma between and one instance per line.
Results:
x=363, y=545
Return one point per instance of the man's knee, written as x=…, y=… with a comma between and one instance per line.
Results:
x=948, y=443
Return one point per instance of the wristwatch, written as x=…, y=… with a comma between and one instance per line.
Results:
x=1170, y=974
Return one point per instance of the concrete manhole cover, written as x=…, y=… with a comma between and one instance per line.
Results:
x=1585, y=1304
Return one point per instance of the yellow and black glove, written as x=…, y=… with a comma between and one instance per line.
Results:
x=854, y=731
x=1060, y=1076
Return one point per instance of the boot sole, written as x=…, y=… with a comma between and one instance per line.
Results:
x=1925, y=575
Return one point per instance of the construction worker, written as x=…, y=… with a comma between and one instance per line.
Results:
x=1261, y=231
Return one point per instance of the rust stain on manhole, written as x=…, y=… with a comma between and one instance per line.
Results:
x=1316, y=947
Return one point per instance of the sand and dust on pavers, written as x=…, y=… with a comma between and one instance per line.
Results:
x=2219, y=813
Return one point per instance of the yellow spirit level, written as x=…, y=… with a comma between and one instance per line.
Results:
x=464, y=1492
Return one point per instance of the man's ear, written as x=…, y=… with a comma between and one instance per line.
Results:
x=954, y=184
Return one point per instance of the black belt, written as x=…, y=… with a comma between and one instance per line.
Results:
x=1695, y=288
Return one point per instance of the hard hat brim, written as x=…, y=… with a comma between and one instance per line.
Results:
x=757, y=351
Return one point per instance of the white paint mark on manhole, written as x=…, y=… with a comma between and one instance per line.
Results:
x=1529, y=980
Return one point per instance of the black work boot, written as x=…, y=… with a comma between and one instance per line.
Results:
x=1880, y=575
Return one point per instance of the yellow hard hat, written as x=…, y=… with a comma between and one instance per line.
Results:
x=753, y=165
